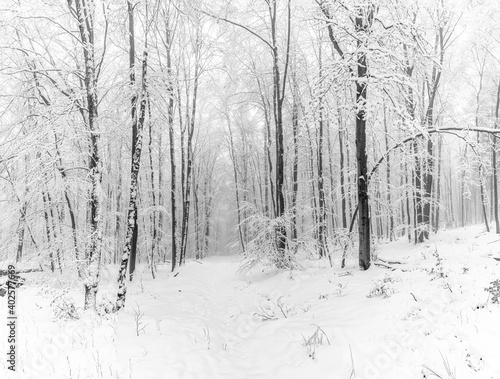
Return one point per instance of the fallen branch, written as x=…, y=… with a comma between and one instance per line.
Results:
x=390, y=262
x=385, y=265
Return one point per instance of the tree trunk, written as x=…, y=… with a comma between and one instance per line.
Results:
x=343, y=194
x=236, y=185
x=323, y=248
x=154, y=229
x=85, y=20
x=171, y=136
x=494, y=164
x=118, y=220
x=208, y=196
x=295, y=167
x=438, y=184
x=482, y=185
x=278, y=99
x=196, y=187
x=482, y=189
x=390, y=224
x=48, y=230
x=363, y=23
x=133, y=250
x=20, y=232
x=131, y=231
x=189, y=167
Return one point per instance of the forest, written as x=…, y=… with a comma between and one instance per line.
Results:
x=145, y=139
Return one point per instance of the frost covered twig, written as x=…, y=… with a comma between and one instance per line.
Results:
x=139, y=324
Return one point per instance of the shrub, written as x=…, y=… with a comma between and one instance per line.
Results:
x=438, y=270
x=384, y=287
x=494, y=291
x=262, y=250
x=106, y=305
x=312, y=342
x=63, y=307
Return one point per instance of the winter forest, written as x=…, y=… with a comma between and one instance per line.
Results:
x=250, y=189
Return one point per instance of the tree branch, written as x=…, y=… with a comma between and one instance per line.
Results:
x=239, y=25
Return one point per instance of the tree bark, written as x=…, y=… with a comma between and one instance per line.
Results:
x=154, y=229
x=236, y=185
x=323, y=248
x=343, y=194
x=363, y=22
x=131, y=231
x=171, y=136
x=390, y=224
x=295, y=167
x=85, y=20
x=494, y=164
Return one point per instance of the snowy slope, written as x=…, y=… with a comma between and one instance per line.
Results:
x=209, y=322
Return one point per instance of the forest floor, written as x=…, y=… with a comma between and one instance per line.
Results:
x=428, y=316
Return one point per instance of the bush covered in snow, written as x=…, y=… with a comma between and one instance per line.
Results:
x=106, y=305
x=262, y=250
x=384, y=287
x=63, y=306
x=494, y=290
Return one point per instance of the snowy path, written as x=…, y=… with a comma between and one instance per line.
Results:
x=203, y=323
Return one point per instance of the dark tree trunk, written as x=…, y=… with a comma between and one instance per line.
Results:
x=48, y=231
x=438, y=184
x=278, y=99
x=131, y=230
x=171, y=136
x=236, y=185
x=323, y=251
x=482, y=189
x=295, y=167
x=342, y=177
x=268, y=164
x=20, y=232
x=494, y=164
x=207, y=204
x=390, y=224
x=428, y=180
x=85, y=19
x=462, y=191
x=482, y=185
x=188, y=173
x=407, y=192
x=53, y=219
x=197, y=222
x=314, y=196
x=333, y=210
x=363, y=22
x=154, y=229
x=119, y=215
x=428, y=177
x=133, y=249
x=323, y=248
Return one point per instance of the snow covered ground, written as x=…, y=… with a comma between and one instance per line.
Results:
x=428, y=312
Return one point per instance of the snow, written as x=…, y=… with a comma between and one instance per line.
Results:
x=209, y=322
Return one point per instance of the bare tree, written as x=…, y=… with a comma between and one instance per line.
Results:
x=137, y=129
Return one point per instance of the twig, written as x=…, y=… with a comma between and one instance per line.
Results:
x=385, y=265
x=390, y=262
x=322, y=331
x=353, y=372
x=279, y=303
